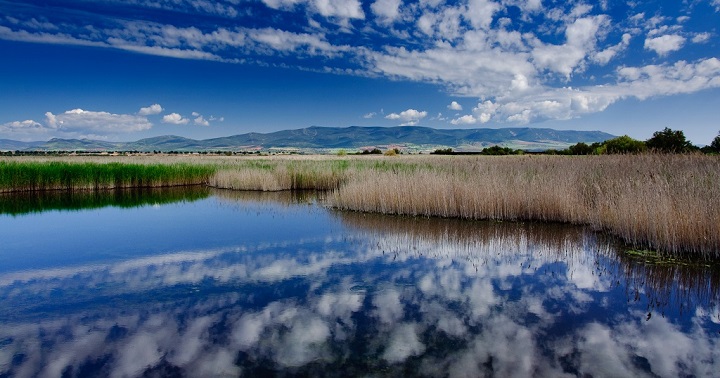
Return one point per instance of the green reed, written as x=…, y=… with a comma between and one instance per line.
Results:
x=30, y=176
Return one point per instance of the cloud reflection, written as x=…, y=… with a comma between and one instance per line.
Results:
x=393, y=295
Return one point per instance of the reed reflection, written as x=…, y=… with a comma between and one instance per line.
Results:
x=19, y=203
x=660, y=282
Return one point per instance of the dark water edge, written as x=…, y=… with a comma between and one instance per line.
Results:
x=274, y=285
x=48, y=200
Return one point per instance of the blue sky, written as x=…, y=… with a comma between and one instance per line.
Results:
x=129, y=69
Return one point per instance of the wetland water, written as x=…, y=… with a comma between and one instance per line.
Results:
x=219, y=283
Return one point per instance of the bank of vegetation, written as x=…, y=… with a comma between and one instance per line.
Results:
x=21, y=176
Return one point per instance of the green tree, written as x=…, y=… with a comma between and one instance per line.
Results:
x=715, y=145
x=669, y=141
x=580, y=149
x=622, y=145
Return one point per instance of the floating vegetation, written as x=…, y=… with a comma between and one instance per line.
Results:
x=656, y=258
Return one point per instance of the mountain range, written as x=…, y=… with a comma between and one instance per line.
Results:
x=328, y=138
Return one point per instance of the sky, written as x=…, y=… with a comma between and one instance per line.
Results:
x=124, y=70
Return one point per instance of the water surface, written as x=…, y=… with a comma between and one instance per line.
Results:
x=250, y=284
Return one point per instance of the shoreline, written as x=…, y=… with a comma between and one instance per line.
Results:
x=665, y=203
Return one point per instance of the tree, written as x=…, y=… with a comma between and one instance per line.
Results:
x=669, y=141
x=580, y=149
x=715, y=145
x=622, y=145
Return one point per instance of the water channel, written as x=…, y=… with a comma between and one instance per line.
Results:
x=199, y=282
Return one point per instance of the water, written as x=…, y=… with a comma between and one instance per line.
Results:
x=201, y=283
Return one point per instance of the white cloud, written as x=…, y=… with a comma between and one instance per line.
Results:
x=465, y=120
x=701, y=37
x=410, y=117
x=347, y=9
x=24, y=129
x=282, y=4
x=339, y=8
x=201, y=121
x=79, y=120
x=369, y=115
x=280, y=40
x=454, y=106
x=386, y=11
x=175, y=119
x=581, y=37
x=151, y=110
x=481, y=12
x=665, y=44
x=603, y=57
x=219, y=119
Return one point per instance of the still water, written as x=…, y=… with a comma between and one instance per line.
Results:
x=218, y=283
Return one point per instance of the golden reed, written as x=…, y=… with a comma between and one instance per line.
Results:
x=669, y=203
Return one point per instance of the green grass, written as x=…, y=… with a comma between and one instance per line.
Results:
x=31, y=176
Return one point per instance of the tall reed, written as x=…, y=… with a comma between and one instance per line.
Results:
x=32, y=175
x=668, y=203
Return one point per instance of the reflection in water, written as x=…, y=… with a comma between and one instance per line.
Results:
x=46, y=200
x=383, y=296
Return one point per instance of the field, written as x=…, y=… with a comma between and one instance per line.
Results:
x=667, y=203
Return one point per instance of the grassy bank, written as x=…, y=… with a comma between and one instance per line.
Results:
x=19, y=176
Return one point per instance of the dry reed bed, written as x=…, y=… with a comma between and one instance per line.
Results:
x=669, y=203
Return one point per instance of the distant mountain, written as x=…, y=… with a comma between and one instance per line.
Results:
x=318, y=138
x=12, y=145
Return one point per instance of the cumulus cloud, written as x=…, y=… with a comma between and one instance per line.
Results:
x=409, y=117
x=581, y=38
x=454, y=106
x=151, y=110
x=701, y=38
x=200, y=120
x=175, y=119
x=665, y=44
x=24, y=130
x=97, y=122
x=386, y=11
x=465, y=120
x=369, y=115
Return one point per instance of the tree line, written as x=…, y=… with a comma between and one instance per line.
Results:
x=664, y=141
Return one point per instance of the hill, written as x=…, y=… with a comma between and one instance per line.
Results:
x=324, y=138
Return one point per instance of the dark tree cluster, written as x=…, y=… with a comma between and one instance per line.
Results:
x=665, y=141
